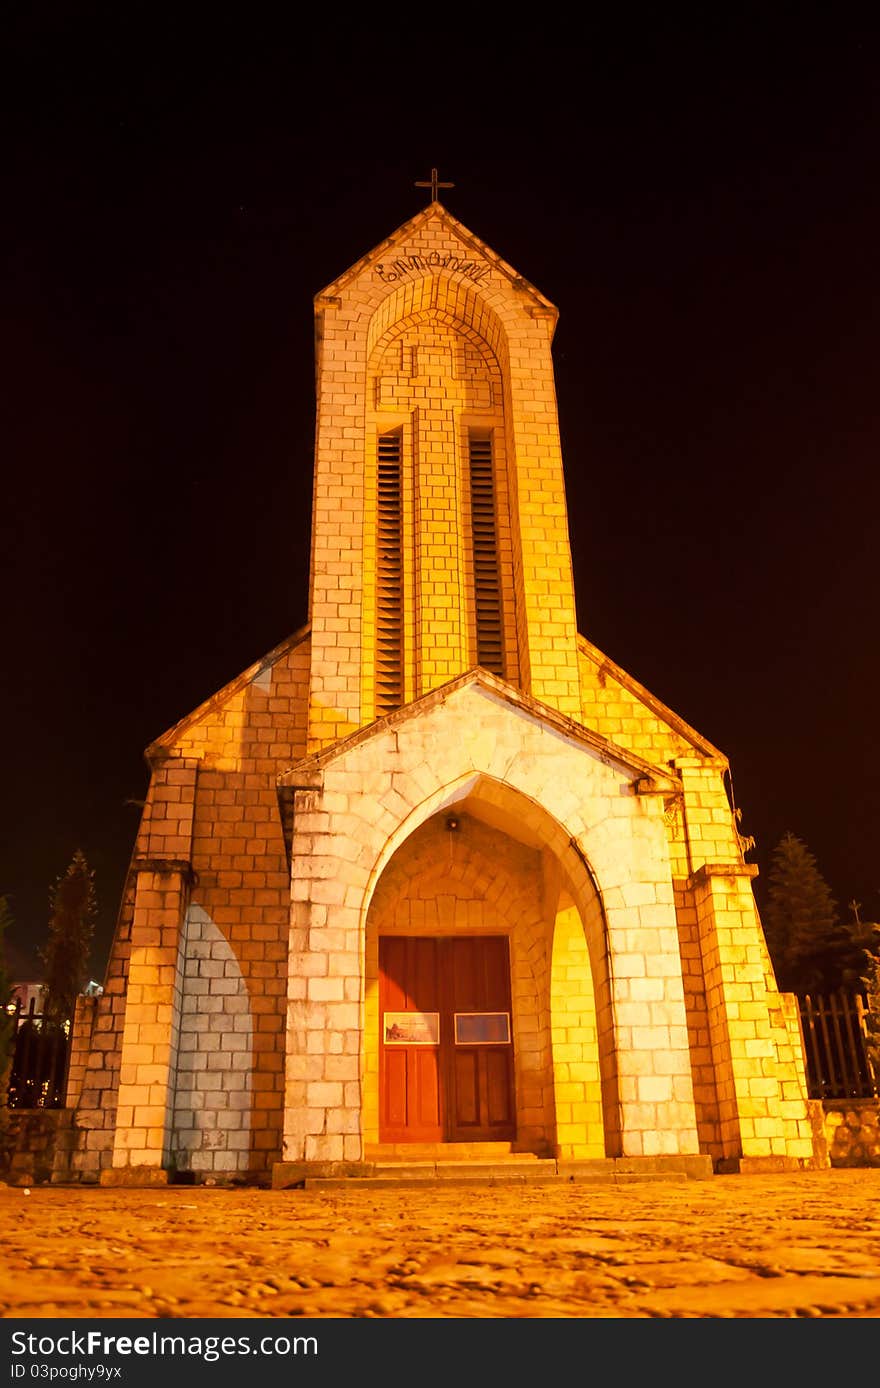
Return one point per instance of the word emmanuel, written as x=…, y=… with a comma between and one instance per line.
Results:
x=411, y=264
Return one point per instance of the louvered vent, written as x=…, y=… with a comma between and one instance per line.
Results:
x=389, y=578
x=487, y=580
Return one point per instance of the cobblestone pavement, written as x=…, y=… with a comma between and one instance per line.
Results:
x=735, y=1246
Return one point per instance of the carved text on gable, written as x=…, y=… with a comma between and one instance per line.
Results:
x=412, y=263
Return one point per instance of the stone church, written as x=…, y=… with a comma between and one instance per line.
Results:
x=436, y=879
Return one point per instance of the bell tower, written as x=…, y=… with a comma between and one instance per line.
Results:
x=440, y=538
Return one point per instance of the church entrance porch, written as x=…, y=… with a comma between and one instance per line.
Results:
x=382, y=847
x=473, y=938
x=446, y=1050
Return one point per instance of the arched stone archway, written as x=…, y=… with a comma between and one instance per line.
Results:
x=461, y=874
x=477, y=742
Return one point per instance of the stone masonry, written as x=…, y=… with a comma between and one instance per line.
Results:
x=293, y=821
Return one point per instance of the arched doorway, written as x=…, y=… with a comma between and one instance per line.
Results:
x=487, y=1012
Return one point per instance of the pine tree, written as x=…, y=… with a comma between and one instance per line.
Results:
x=810, y=948
x=65, y=956
x=7, y=1022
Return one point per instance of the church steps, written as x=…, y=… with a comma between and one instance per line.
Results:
x=513, y=1169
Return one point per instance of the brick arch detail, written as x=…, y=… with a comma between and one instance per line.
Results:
x=435, y=317
x=455, y=299
x=567, y=1097
x=608, y=850
x=475, y=880
x=462, y=389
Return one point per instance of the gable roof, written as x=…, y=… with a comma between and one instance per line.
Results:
x=666, y=715
x=435, y=211
x=629, y=761
x=159, y=745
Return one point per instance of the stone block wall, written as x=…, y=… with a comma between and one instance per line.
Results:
x=618, y=707
x=434, y=269
x=211, y=1129
x=427, y=371
x=231, y=871
x=852, y=1131
x=80, y=1044
x=238, y=1016
x=35, y=1145
x=744, y=1038
x=95, y=1113
x=759, y=1075
x=359, y=801
x=152, y=1015
x=586, y=1125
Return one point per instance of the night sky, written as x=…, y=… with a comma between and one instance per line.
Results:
x=702, y=205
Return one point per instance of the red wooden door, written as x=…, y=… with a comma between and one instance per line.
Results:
x=446, y=1063
x=409, y=1075
x=479, y=1060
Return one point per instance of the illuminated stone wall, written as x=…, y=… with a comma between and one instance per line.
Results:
x=851, y=1128
x=211, y=1125
x=211, y=845
x=480, y=748
x=432, y=334
x=286, y=827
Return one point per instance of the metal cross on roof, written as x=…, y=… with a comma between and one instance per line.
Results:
x=434, y=183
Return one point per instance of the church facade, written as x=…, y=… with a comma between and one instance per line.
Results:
x=436, y=877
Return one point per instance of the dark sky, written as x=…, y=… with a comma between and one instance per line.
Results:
x=703, y=206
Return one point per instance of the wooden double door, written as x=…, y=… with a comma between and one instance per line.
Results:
x=446, y=1041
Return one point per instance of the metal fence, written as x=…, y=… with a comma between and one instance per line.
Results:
x=38, y=1078
x=833, y=1029
x=835, y=1051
